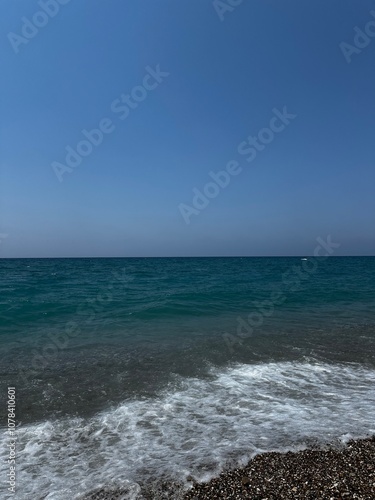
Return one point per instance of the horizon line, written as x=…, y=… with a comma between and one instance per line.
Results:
x=191, y=257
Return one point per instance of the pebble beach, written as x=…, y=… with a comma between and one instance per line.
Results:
x=310, y=474
x=332, y=473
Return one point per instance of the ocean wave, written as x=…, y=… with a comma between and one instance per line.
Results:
x=197, y=429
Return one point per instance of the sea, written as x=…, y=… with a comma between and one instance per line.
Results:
x=138, y=371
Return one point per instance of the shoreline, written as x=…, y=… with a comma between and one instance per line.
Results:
x=315, y=473
x=318, y=473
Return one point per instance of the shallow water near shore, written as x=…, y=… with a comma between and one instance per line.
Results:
x=129, y=370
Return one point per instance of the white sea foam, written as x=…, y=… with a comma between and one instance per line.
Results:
x=195, y=430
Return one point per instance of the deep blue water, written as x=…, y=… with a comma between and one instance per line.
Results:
x=132, y=365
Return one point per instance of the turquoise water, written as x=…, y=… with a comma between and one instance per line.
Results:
x=140, y=368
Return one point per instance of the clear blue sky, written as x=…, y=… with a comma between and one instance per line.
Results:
x=316, y=177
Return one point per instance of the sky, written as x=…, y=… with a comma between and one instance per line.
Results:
x=277, y=96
